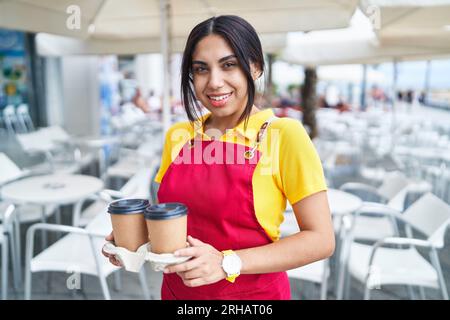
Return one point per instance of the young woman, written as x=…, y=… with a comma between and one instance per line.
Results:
x=234, y=168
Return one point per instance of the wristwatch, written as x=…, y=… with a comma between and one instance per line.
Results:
x=231, y=264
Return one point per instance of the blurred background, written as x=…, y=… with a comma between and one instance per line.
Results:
x=88, y=88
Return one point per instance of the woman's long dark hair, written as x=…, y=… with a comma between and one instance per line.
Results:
x=243, y=40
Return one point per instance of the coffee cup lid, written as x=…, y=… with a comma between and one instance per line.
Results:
x=164, y=211
x=127, y=206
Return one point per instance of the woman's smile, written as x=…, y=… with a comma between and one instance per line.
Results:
x=219, y=100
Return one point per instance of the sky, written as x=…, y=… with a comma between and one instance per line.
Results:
x=412, y=74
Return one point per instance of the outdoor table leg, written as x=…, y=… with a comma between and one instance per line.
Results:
x=44, y=239
x=58, y=221
x=336, y=260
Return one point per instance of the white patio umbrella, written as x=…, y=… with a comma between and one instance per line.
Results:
x=129, y=27
x=108, y=23
x=355, y=44
x=417, y=23
x=140, y=19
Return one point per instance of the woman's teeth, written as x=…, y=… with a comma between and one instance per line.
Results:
x=220, y=97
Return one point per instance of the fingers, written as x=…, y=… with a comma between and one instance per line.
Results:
x=110, y=237
x=200, y=281
x=183, y=267
x=204, y=268
x=192, y=274
x=195, y=242
x=111, y=257
x=186, y=252
x=192, y=250
x=195, y=249
x=107, y=255
x=114, y=261
x=195, y=282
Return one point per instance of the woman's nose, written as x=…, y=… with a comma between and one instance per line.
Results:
x=215, y=79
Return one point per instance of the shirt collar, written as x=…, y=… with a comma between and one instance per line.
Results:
x=255, y=121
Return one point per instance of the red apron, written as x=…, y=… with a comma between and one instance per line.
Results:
x=219, y=195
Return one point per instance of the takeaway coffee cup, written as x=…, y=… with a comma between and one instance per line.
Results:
x=127, y=218
x=167, y=226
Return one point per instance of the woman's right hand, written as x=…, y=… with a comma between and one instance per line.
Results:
x=111, y=257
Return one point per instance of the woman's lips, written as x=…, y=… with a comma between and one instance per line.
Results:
x=219, y=100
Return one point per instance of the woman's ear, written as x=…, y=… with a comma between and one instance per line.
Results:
x=255, y=71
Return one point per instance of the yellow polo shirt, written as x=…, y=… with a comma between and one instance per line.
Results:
x=289, y=167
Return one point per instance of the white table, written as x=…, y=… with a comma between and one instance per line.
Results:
x=59, y=189
x=53, y=189
x=341, y=203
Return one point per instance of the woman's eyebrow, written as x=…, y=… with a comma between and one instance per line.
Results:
x=199, y=62
x=220, y=60
x=227, y=58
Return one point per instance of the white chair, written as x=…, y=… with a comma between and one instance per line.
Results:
x=77, y=252
x=24, y=118
x=25, y=213
x=317, y=272
x=393, y=191
x=372, y=227
x=42, y=142
x=8, y=246
x=9, y=171
x=393, y=183
x=369, y=227
x=377, y=265
x=10, y=120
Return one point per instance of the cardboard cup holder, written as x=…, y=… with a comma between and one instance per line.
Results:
x=133, y=261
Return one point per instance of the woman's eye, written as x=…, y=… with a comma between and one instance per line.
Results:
x=200, y=70
x=229, y=64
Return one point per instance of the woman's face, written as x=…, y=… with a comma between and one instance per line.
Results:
x=219, y=82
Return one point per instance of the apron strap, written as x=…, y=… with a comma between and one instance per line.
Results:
x=262, y=131
x=259, y=137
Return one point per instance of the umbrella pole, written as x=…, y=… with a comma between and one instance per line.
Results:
x=427, y=81
x=394, y=100
x=165, y=7
x=363, y=88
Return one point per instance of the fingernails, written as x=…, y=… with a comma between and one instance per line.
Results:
x=176, y=253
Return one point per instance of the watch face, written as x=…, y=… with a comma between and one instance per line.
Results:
x=232, y=264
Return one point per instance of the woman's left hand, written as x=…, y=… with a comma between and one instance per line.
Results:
x=205, y=267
